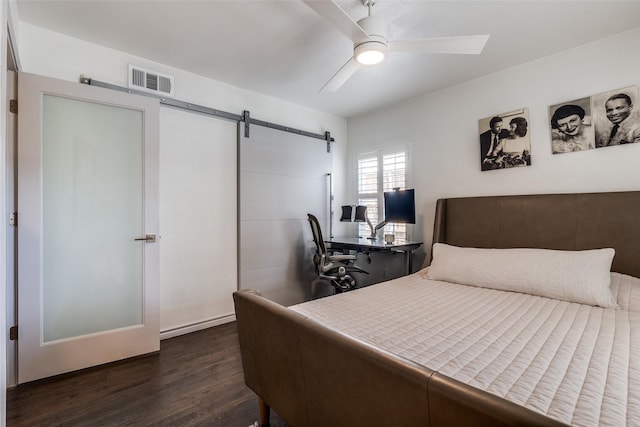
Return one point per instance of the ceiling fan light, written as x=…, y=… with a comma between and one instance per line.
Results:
x=370, y=53
x=370, y=57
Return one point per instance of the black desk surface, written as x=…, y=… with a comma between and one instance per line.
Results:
x=362, y=243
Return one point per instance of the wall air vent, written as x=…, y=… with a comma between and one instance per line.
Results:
x=150, y=81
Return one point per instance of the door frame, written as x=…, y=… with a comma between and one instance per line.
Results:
x=11, y=233
x=8, y=62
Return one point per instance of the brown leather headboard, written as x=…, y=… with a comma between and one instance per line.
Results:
x=552, y=221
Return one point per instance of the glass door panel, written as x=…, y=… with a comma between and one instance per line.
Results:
x=92, y=202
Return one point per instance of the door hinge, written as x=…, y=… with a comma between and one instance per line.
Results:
x=13, y=219
x=13, y=106
x=13, y=333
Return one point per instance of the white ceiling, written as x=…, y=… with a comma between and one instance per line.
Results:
x=282, y=48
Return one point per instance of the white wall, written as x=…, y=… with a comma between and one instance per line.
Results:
x=442, y=128
x=51, y=54
x=197, y=241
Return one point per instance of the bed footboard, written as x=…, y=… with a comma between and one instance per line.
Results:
x=315, y=376
x=456, y=404
x=311, y=375
x=271, y=358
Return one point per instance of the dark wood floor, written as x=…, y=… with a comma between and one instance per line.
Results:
x=195, y=380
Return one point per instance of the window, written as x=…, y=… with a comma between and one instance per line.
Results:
x=378, y=172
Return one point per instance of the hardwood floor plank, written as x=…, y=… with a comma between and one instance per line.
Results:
x=194, y=380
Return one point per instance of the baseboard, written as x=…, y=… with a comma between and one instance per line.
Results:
x=194, y=327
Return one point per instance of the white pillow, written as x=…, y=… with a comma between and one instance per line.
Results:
x=575, y=276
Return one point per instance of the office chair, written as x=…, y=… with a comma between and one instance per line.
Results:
x=334, y=267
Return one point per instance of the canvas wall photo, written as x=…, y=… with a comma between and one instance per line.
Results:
x=505, y=140
x=603, y=120
x=616, y=117
x=571, y=126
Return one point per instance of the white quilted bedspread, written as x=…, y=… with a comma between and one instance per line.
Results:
x=576, y=363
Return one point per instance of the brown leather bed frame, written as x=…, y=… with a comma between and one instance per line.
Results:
x=314, y=376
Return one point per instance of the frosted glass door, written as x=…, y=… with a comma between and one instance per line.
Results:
x=92, y=202
x=87, y=191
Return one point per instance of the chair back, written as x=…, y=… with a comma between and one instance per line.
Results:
x=317, y=234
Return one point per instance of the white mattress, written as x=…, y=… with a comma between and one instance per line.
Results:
x=576, y=363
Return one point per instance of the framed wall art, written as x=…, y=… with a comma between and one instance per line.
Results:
x=571, y=126
x=603, y=120
x=505, y=140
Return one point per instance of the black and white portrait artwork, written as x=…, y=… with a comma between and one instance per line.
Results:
x=505, y=140
x=616, y=117
x=571, y=126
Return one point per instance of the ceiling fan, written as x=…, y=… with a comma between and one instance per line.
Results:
x=370, y=43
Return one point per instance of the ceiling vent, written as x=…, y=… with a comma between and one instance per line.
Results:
x=150, y=81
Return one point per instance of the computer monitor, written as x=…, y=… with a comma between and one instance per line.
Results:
x=400, y=206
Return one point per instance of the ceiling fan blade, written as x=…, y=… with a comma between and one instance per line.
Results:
x=341, y=76
x=458, y=44
x=331, y=11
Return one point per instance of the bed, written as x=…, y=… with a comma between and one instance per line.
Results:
x=453, y=344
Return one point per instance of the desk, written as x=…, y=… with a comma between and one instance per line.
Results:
x=361, y=244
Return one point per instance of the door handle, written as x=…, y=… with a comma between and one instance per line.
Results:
x=150, y=238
